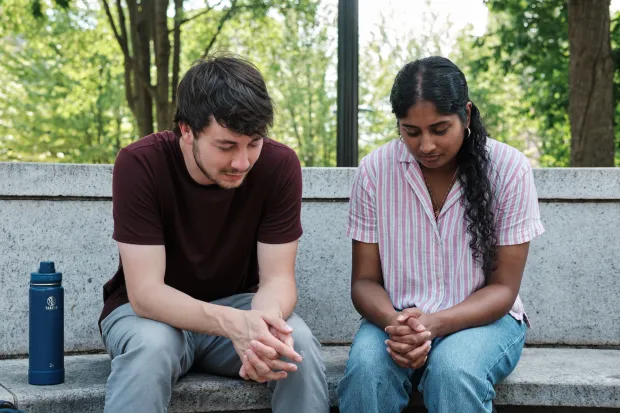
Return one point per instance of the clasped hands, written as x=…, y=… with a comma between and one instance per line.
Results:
x=410, y=336
x=261, y=341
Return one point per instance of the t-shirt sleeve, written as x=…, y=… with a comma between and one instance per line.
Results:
x=362, y=223
x=137, y=218
x=281, y=219
x=518, y=219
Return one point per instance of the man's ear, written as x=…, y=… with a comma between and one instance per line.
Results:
x=186, y=133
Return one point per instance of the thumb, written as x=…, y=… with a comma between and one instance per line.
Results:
x=409, y=316
x=413, y=312
x=278, y=324
x=415, y=324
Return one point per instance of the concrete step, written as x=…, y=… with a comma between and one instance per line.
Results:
x=544, y=377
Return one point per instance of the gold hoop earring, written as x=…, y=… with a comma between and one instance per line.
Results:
x=468, y=133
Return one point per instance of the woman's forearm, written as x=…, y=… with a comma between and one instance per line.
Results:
x=483, y=307
x=372, y=302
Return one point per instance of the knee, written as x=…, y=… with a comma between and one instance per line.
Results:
x=368, y=358
x=452, y=372
x=305, y=343
x=153, y=340
x=302, y=335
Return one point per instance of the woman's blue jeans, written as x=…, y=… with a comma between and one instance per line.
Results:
x=459, y=376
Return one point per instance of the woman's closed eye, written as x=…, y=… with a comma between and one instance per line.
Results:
x=440, y=132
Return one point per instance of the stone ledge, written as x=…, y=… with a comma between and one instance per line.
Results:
x=6, y=395
x=544, y=377
x=78, y=180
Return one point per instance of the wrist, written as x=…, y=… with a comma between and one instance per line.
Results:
x=227, y=319
x=434, y=324
x=272, y=310
x=267, y=304
x=388, y=319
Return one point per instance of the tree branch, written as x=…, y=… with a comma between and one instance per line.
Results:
x=118, y=37
x=202, y=13
x=122, y=40
x=227, y=16
x=121, y=23
x=291, y=111
x=176, y=51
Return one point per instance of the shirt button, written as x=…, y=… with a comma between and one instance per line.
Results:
x=436, y=241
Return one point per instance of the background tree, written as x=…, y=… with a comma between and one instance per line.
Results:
x=68, y=83
x=61, y=98
x=591, y=77
x=152, y=49
x=386, y=52
x=534, y=44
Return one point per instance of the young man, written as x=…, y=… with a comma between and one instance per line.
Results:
x=207, y=220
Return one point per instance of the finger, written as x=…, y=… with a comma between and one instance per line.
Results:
x=281, y=365
x=263, y=350
x=263, y=370
x=402, y=361
x=242, y=373
x=280, y=347
x=288, y=340
x=259, y=365
x=414, y=339
x=271, y=357
x=279, y=324
x=412, y=311
x=399, y=330
x=415, y=324
x=418, y=353
x=419, y=363
x=399, y=347
x=400, y=364
x=249, y=369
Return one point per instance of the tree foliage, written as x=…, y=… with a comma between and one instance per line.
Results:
x=528, y=41
x=61, y=78
x=72, y=80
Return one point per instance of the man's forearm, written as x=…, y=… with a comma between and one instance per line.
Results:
x=277, y=295
x=170, y=306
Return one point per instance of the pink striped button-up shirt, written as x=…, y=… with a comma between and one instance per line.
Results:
x=428, y=263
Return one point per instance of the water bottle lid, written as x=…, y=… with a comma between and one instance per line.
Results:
x=46, y=275
x=47, y=267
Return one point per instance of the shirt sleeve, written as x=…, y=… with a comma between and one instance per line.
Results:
x=518, y=219
x=281, y=220
x=362, y=223
x=137, y=217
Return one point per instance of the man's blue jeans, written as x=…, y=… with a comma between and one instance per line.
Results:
x=459, y=376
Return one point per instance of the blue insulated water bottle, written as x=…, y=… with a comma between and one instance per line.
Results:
x=47, y=327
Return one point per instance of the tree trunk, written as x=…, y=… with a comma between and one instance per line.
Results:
x=162, y=62
x=147, y=33
x=176, y=54
x=591, y=72
x=140, y=16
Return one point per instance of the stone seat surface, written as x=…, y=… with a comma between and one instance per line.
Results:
x=544, y=377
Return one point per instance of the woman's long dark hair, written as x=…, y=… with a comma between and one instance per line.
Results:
x=439, y=81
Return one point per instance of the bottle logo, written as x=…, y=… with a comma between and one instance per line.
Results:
x=51, y=303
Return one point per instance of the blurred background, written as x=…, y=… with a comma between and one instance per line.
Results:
x=79, y=79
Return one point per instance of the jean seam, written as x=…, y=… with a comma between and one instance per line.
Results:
x=488, y=372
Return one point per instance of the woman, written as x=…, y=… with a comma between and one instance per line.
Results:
x=441, y=221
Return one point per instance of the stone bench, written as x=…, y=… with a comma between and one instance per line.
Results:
x=570, y=288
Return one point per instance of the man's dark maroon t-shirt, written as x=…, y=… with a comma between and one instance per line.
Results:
x=209, y=233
